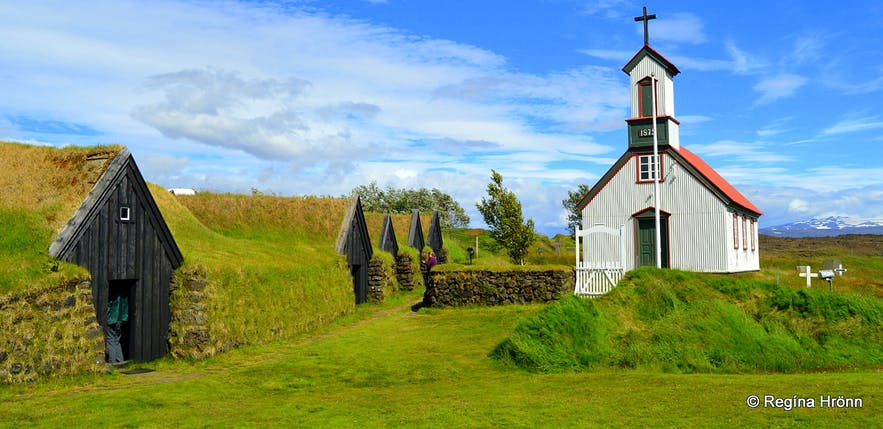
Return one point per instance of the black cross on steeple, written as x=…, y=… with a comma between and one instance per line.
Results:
x=646, y=18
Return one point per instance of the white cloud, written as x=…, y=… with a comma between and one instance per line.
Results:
x=854, y=125
x=798, y=206
x=780, y=86
x=741, y=151
x=677, y=27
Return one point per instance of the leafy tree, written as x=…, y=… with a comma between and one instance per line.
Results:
x=502, y=213
x=574, y=215
x=375, y=199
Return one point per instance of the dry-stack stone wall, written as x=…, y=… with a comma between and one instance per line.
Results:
x=470, y=286
x=380, y=280
x=189, y=332
x=405, y=271
x=50, y=331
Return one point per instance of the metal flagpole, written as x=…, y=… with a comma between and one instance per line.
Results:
x=656, y=170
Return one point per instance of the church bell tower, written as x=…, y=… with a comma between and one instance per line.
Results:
x=645, y=69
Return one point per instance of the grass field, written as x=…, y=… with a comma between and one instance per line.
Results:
x=387, y=366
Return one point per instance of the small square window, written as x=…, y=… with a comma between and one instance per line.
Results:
x=646, y=168
x=125, y=214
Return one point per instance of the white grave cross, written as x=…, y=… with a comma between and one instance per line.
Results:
x=805, y=272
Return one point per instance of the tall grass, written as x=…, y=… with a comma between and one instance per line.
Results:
x=677, y=321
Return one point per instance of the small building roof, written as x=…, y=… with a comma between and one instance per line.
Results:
x=647, y=51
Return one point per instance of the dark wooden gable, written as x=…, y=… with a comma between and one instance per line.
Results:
x=415, y=236
x=120, y=236
x=354, y=242
x=388, y=240
x=435, y=236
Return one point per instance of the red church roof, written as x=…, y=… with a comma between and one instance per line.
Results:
x=717, y=180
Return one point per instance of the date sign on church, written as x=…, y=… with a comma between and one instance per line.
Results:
x=645, y=132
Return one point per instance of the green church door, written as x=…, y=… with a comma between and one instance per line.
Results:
x=647, y=242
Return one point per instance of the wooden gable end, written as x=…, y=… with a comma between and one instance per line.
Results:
x=435, y=236
x=353, y=239
x=354, y=242
x=120, y=186
x=415, y=236
x=388, y=240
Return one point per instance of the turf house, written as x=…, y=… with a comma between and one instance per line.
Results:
x=120, y=236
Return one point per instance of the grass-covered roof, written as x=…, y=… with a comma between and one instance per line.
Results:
x=40, y=188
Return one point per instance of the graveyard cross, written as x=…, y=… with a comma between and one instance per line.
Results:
x=646, y=18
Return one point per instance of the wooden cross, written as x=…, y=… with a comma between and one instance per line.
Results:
x=646, y=18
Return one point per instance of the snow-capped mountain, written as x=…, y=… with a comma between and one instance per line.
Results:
x=826, y=227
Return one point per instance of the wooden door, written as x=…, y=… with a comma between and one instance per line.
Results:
x=646, y=242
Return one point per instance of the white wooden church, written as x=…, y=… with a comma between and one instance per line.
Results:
x=705, y=223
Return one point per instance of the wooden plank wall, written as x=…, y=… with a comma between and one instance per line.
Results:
x=112, y=249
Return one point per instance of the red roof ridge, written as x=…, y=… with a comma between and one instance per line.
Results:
x=652, y=52
x=717, y=180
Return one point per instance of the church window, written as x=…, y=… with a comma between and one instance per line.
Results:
x=744, y=233
x=735, y=231
x=647, y=168
x=645, y=97
x=753, y=236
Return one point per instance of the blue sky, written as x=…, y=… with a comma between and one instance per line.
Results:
x=784, y=99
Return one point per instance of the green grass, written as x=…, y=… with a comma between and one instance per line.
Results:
x=675, y=321
x=386, y=366
x=24, y=261
x=270, y=263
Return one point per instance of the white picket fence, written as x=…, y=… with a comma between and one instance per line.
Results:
x=598, y=278
x=596, y=281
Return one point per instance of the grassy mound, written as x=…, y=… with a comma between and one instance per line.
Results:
x=270, y=262
x=678, y=321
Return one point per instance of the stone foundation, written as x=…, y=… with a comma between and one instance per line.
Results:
x=405, y=271
x=189, y=333
x=380, y=280
x=50, y=331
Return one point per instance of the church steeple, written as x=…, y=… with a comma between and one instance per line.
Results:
x=648, y=64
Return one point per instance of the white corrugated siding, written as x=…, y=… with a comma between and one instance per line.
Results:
x=666, y=101
x=700, y=226
x=665, y=91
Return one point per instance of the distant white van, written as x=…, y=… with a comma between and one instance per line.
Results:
x=182, y=191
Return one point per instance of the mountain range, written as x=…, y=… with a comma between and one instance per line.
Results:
x=826, y=227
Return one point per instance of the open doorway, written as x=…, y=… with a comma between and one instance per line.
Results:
x=119, y=338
